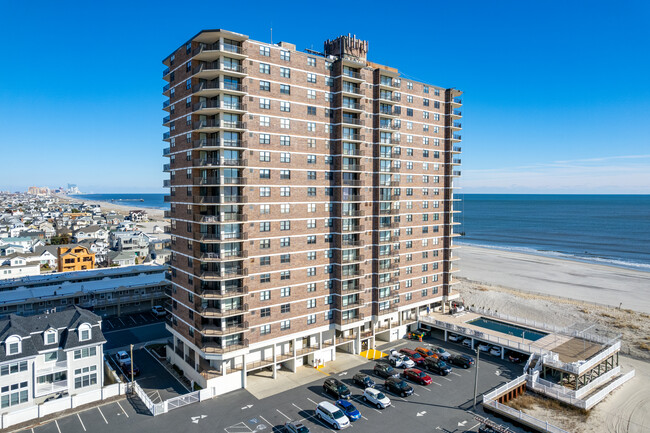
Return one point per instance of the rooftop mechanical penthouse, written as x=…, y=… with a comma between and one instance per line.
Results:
x=311, y=203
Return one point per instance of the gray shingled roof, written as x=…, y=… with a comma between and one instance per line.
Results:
x=31, y=329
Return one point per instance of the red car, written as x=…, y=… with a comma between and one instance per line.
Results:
x=415, y=357
x=417, y=376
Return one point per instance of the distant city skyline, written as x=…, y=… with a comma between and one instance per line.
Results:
x=553, y=102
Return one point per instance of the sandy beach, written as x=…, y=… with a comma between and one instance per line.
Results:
x=588, y=282
x=154, y=214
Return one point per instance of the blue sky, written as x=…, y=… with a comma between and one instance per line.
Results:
x=557, y=94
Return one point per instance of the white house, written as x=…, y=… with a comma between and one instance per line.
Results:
x=90, y=232
x=46, y=354
x=18, y=265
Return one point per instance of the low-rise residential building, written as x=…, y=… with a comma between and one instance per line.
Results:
x=18, y=265
x=121, y=258
x=105, y=291
x=46, y=354
x=90, y=232
x=76, y=258
x=138, y=216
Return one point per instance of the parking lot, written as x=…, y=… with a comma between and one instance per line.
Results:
x=443, y=405
x=110, y=324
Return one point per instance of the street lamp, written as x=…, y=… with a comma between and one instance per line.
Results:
x=132, y=365
x=478, y=355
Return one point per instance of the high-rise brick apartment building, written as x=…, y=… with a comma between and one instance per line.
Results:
x=311, y=203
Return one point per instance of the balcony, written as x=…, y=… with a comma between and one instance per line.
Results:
x=390, y=126
x=219, y=181
x=166, y=104
x=223, y=330
x=166, y=120
x=352, y=121
x=166, y=167
x=456, y=161
x=218, y=124
x=353, y=152
x=352, y=243
x=456, y=124
x=167, y=214
x=352, y=259
x=213, y=51
x=389, y=98
x=388, y=111
x=387, y=239
x=53, y=367
x=166, y=72
x=352, y=227
x=223, y=237
x=210, y=88
x=166, y=183
x=220, y=218
x=457, y=100
x=214, y=142
x=223, y=293
x=50, y=388
x=352, y=167
x=393, y=84
x=353, y=319
x=221, y=255
x=221, y=312
x=219, y=199
x=352, y=213
x=208, y=106
x=351, y=90
x=218, y=162
x=166, y=135
x=455, y=173
x=351, y=75
x=352, y=106
x=166, y=151
x=350, y=197
x=456, y=137
x=388, y=281
x=352, y=182
x=456, y=113
x=457, y=149
x=389, y=211
x=353, y=137
x=217, y=348
x=166, y=88
x=352, y=304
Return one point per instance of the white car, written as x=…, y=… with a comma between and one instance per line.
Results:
x=332, y=415
x=376, y=397
x=467, y=342
x=455, y=338
x=123, y=358
x=442, y=353
x=484, y=347
x=158, y=311
x=495, y=351
x=400, y=360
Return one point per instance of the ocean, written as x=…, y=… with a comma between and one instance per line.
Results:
x=607, y=229
x=156, y=201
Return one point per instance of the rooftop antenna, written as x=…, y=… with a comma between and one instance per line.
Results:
x=271, y=35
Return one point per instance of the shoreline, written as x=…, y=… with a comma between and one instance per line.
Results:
x=153, y=213
x=536, y=274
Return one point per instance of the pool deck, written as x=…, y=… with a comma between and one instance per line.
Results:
x=569, y=349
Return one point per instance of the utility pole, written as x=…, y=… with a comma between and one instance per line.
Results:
x=132, y=367
x=478, y=355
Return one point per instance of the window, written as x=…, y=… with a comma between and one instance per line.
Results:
x=285, y=174
x=311, y=94
x=265, y=191
x=311, y=61
x=265, y=243
x=285, y=324
x=285, y=89
x=13, y=345
x=285, y=157
x=265, y=103
x=85, y=353
x=265, y=51
x=265, y=226
x=17, y=396
x=265, y=68
x=285, y=191
x=265, y=261
x=265, y=329
x=311, y=319
x=285, y=140
x=409, y=112
x=285, y=258
x=265, y=86
x=311, y=224
x=285, y=308
x=285, y=106
x=265, y=295
x=285, y=72
x=265, y=139
x=50, y=356
x=285, y=242
x=311, y=126
x=311, y=240
x=311, y=111
x=50, y=336
x=285, y=225
x=265, y=156
x=17, y=367
x=265, y=121
x=265, y=278
x=83, y=380
x=285, y=275
x=285, y=55
x=265, y=312
x=311, y=78
x=84, y=332
x=311, y=303
x=265, y=173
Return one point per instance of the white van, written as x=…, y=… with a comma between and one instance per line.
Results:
x=332, y=415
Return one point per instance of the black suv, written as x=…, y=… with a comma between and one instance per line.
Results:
x=461, y=361
x=437, y=366
x=398, y=386
x=363, y=380
x=336, y=388
x=384, y=370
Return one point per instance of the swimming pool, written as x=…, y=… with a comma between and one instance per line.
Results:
x=507, y=328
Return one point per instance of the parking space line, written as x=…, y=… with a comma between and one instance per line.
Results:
x=364, y=417
x=282, y=415
x=121, y=321
x=144, y=318
x=134, y=322
x=118, y=403
x=311, y=400
x=446, y=378
x=454, y=373
x=427, y=389
x=416, y=394
x=82, y=423
x=102, y=413
x=436, y=383
x=296, y=406
x=266, y=421
x=57, y=426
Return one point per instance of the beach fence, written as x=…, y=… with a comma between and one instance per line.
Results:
x=173, y=403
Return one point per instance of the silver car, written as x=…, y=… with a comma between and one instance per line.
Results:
x=376, y=397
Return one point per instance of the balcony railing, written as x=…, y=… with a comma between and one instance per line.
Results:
x=457, y=112
x=456, y=136
x=347, y=320
x=352, y=259
x=352, y=121
x=353, y=243
x=229, y=48
x=219, y=181
x=225, y=217
x=456, y=161
x=356, y=137
x=224, y=293
x=457, y=100
x=352, y=182
x=202, y=124
x=223, y=330
x=352, y=106
x=221, y=348
x=52, y=367
x=351, y=197
x=222, y=312
x=456, y=173
x=166, y=104
x=352, y=167
x=352, y=74
x=50, y=387
x=219, y=161
x=219, y=199
x=214, y=142
x=352, y=89
x=457, y=149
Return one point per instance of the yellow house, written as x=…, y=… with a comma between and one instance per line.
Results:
x=76, y=258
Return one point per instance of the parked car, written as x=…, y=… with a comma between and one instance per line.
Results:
x=332, y=415
x=336, y=388
x=384, y=370
x=398, y=386
x=126, y=368
x=363, y=380
x=348, y=409
x=295, y=427
x=461, y=361
x=484, y=347
x=495, y=351
x=376, y=397
x=437, y=366
x=397, y=359
x=158, y=311
x=467, y=342
x=122, y=358
x=442, y=353
x=417, y=376
x=515, y=357
x=413, y=355
x=455, y=338
x=425, y=352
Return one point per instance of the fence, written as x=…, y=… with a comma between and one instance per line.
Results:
x=61, y=404
x=518, y=320
x=174, y=402
x=522, y=417
x=591, y=401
